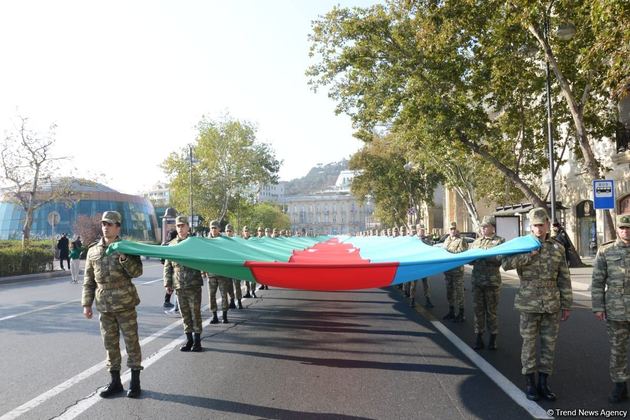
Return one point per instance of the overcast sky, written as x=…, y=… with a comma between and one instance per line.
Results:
x=126, y=81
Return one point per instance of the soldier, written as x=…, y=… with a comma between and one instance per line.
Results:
x=611, y=270
x=234, y=288
x=426, y=290
x=486, y=282
x=187, y=283
x=543, y=299
x=455, y=277
x=251, y=286
x=107, y=280
x=403, y=231
x=259, y=232
x=217, y=282
x=267, y=233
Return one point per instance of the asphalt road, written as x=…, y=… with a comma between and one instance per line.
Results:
x=289, y=354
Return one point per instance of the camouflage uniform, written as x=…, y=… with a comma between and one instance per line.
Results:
x=108, y=281
x=486, y=282
x=545, y=290
x=412, y=285
x=612, y=269
x=455, y=277
x=187, y=283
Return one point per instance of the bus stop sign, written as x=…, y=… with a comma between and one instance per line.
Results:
x=604, y=194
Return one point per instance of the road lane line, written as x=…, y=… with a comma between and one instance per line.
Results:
x=39, y=309
x=150, y=281
x=40, y=399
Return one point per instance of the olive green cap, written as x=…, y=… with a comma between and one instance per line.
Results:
x=181, y=220
x=488, y=220
x=215, y=223
x=111, y=217
x=623, y=220
x=538, y=216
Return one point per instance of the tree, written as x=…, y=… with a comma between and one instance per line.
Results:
x=230, y=166
x=460, y=75
x=88, y=228
x=383, y=174
x=29, y=170
x=264, y=215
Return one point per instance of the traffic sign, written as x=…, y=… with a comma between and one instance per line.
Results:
x=54, y=218
x=604, y=194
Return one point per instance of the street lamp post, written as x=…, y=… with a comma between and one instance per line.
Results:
x=565, y=32
x=190, y=194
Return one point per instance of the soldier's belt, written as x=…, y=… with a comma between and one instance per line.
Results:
x=538, y=283
x=114, y=285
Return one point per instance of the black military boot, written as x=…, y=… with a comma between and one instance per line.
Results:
x=232, y=305
x=479, y=342
x=215, y=319
x=412, y=303
x=247, y=295
x=240, y=305
x=619, y=393
x=225, y=320
x=450, y=314
x=189, y=342
x=197, y=345
x=262, y=287
x=460, y=316
x=427, y=303
x=530, y=389
x=543, y=387
x=114, y=387
x=134, y=385
x=492, y=345
x=254, y=293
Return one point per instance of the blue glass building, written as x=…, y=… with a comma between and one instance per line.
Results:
x=139, y=220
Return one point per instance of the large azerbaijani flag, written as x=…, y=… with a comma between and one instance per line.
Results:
x=320, y=263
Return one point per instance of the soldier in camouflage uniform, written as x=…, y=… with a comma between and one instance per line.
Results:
x=216, y=282
x=251, y=286
x=107, y=280
x=455, y=277
x=425, y=281
x=234, y=290
x=612, y=271
x=187, y=283
x=486, y=282
x=543, y=299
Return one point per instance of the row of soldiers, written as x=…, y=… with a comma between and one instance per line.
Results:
x=544, y=299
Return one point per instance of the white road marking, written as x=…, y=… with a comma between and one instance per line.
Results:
x=93, y=399
x=150, y=281
x=39, y=309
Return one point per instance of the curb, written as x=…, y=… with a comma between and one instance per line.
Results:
x=32, y=277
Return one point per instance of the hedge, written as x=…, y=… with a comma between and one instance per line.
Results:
x=14, y=260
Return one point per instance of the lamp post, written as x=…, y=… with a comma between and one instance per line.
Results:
x=190, y=194
x=565, y=32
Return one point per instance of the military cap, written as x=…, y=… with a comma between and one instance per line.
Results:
x=488, y=220
x=215, y=223
x=111, y=217
x=229, y=227
x=453, y=225
x=538, y=216
x=181, y=220
x=245, y=228
x=267, y=230
x=623, y=220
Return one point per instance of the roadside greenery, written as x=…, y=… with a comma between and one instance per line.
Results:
x=15, y=260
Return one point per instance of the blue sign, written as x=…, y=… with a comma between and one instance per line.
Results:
x=604, y=194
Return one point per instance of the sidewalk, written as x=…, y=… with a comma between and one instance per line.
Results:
x=57, y=272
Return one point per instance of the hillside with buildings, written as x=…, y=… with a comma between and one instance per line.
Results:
x=319, y=178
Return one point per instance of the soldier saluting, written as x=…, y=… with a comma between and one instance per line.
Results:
x=612, y=269
x=108, y=281
x=544, y=298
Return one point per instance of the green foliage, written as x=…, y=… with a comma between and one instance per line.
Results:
x=264, y=215
x=383, y=176
x=317, y=179
x=230, y=163
x=459, y=78
x=16, y=260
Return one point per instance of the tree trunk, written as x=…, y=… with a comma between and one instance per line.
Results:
x=576, y=109
x=518, y=182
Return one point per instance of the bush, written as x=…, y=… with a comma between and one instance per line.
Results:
x=36, y=258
